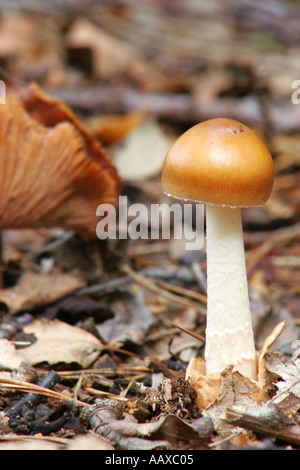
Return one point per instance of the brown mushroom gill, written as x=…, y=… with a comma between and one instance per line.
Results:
x=53, y=173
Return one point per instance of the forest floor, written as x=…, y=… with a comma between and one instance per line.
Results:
x=96, y=336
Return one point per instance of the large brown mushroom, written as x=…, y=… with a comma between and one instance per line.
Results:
x=53, y=172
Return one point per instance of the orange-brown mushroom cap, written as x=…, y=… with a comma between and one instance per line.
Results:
x=219, y=161
x=52, y=172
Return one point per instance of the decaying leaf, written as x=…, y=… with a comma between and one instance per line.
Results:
x=9, y=357
x=207, y=387
x=59, y=342
x=287, y=397
x=142, y=154
x=131, y=321
x=35, y=290
x=168, y=428
x=268, y=343
x=235, y=390
x=106, y=419
x=113, y=129
x=110, y=56
x=90, y=441
x=14, y=442
x=265, y=420
x=217, y=392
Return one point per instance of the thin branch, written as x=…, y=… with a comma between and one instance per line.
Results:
x=146, y=282
x=267, y=421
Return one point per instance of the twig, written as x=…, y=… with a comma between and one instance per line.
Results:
x=94, y=391
x=282, y=236
x=46, y=382
x=191, y=333
x=183, y=291
x=154, y=287
x=283, y=392
x=176, y=107
x=267, y=421
x=226, y=439
x=255, y=256
x=122, y=371
x=104, y=287
x=37, y=437
x=10, y=384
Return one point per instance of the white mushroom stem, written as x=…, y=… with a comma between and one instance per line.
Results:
x=229, y=333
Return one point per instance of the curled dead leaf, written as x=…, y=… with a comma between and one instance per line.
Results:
x=59, y=342
x=37, y=289
x=207, y=386
x=143, y=151
x=268, y=343
x=114, y=128
x=216, y=392
x=9, y=357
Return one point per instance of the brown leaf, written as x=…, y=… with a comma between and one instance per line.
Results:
x=37, y=289
x=217, y=392
x=111, y=57
x=207, y=386
x=9, y=357
x=268, y=343
x=166, y=429
x=111, y=129
x=287, y=398
x=235, y=390
x=58, y=342
x=131, y=321
x=142, y=154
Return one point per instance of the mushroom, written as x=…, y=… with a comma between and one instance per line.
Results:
x=53, y=172
x=225, y=165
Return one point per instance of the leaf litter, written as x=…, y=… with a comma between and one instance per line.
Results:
x=101, y=342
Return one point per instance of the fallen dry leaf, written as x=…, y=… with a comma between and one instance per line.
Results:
x=287, y=397
x=106, y=418
x=59, y=342
x=111, y=129
x=14, y=442
x=89, y=441
x=268, y=343
x=266, y=420
x=9, y=357
x=142, y=153
x=38, y=442
x=23, y=44
x=131, y=321
x=110, y=56
x=216, y=392
x=37, y=289
x=207, y=386
x=235, y=390
x=167, y=428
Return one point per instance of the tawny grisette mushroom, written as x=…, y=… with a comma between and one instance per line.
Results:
x=53, y=173
x=222, y=163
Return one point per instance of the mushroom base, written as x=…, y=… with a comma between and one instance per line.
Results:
x=229, y=334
